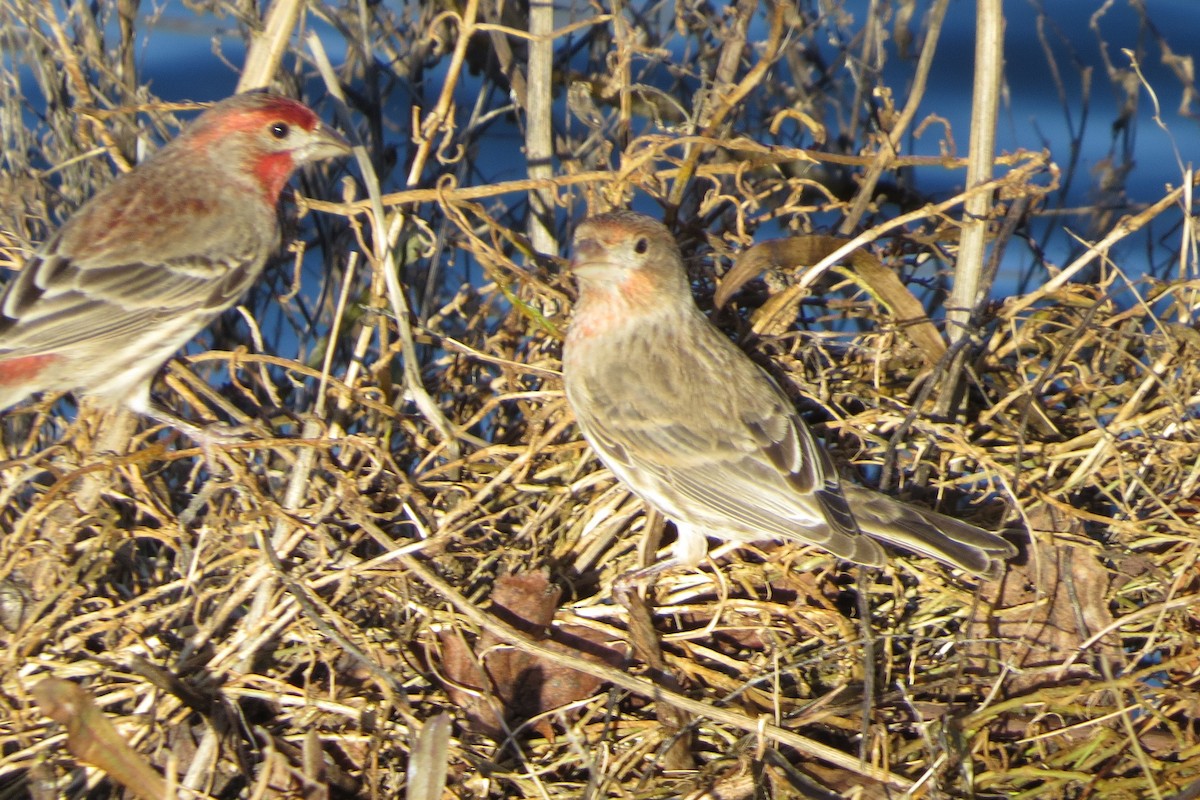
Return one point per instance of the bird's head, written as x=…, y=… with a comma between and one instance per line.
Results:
x=630, y=257
x=267, y=135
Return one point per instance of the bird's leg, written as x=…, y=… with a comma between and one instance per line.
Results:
x=691, y=545
x=138, y=400
x=633, y=580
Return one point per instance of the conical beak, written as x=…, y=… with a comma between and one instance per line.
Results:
x=324, y=142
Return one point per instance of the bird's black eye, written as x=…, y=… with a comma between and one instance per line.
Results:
x=641, y=246
x=280, y=130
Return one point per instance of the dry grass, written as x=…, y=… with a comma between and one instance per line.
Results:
x=285, y=617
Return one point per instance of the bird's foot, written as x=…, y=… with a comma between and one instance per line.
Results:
x=207, y=436
x=633, y=582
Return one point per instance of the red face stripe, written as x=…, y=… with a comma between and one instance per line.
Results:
x=261, y=114
x=252, y=113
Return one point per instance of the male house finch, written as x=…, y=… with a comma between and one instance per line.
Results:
x=697, y=430
x=150, y=260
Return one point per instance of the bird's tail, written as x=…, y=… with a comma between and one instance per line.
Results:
x=929, y=533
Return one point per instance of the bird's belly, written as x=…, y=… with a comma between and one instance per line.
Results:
x=759, y=521
x=126, y=369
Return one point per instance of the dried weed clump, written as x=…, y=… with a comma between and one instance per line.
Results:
x=400, y=585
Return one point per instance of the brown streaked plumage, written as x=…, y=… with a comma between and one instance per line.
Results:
x=151, y=259
x=696, y=429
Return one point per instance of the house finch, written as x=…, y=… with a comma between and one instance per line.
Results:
x=149, y=261
x=697, y=430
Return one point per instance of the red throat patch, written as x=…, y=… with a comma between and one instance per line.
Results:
x=606, y=309
x=273, y=171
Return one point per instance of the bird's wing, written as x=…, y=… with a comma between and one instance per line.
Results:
x=55, y=301
x=730, y=456
x=130, y=258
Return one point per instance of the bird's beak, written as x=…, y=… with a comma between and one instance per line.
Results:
x=588, y=255
x=324, y=142
x=593, y=264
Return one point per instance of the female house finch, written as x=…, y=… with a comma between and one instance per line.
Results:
x=697, y=430
x=149, y=261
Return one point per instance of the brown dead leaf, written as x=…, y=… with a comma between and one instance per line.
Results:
x=94, y=740
x=1044, y=611
x=500, y=686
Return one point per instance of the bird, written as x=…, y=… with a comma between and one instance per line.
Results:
x=691, y=425
x=151, y=259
